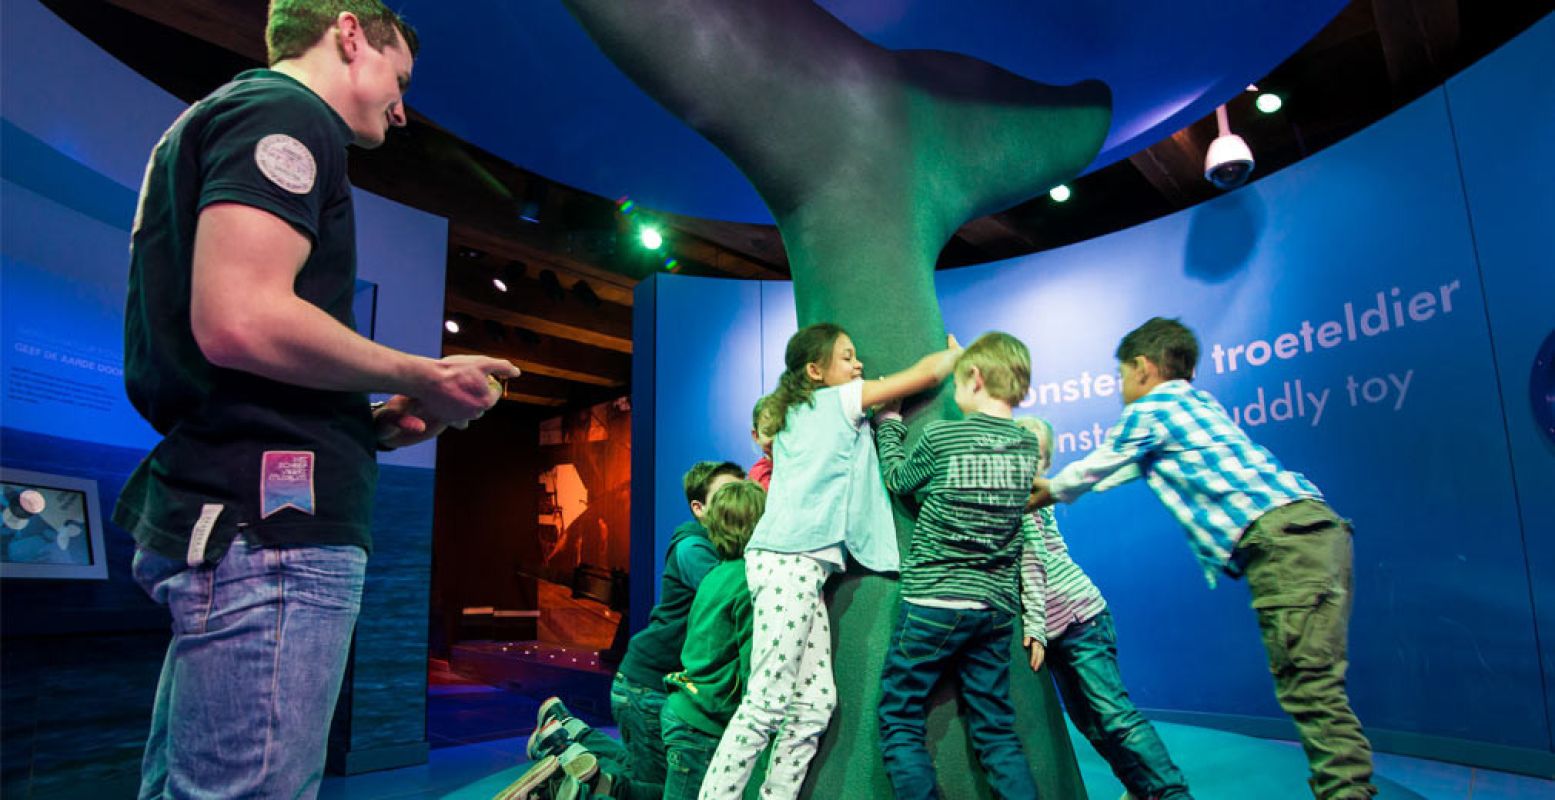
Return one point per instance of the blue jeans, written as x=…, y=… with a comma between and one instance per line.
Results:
x=1084, y=663
x=253, y=672
x=975, y=644
x=687, y=753
x=635, y=709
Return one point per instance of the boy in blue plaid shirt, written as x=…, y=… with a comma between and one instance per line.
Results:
x=1245, y=516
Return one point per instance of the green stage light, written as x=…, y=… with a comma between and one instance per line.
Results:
x=1269, y=102
x=1060, y=193
x=650, y=237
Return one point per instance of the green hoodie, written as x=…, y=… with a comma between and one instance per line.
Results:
x=717, y=653
x=655, y=651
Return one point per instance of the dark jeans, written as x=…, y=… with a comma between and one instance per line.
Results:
x=975, y=644
x=687, y=753
x=636, y=711
x=1084, y=663
x=1300, y=567
x=614, y=762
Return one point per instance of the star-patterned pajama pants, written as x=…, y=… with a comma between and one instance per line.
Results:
x=791, y=693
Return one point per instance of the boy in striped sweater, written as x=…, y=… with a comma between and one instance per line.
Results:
x=1246, y=516
x=961, y=579
x=1082, y=652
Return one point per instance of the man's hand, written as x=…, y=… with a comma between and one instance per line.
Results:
x=400, y=422
x=461, y=388
x=1038, y=653
x=1041, y=494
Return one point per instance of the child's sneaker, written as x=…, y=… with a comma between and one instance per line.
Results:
x=552, y=708
x=532, y=781
x=573, y=789
x=553, y=738
x=580, y=777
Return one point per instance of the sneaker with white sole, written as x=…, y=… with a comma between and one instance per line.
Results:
x=532, y=781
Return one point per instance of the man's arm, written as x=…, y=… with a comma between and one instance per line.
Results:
x=904, y=472
x=247, y=316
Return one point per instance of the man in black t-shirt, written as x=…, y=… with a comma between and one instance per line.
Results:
x=252, y=514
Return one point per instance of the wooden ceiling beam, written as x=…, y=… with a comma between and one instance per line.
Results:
x=612, y=287
x=552, y=358
x=1419, y=41
x=995, y=235
x=530, y=305
x=235, y=25
x=533, y=315
x=744, y=249
x=1175, y=165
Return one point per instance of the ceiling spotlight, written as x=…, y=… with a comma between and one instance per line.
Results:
x=1060, y=193
x=650, y=237
x=452, y=326
x=457, y=322
x=1269, y=102
x=1229, y=162
x=471, y=253
x=499, y=284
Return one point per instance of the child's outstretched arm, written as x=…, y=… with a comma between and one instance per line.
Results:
x=1033, y=590
x=904, y=472
x=929, y=372
x=1135, y=436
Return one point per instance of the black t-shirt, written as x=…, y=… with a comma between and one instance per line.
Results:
x=279, y=463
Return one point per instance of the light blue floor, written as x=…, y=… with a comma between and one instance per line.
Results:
x=1219, y=765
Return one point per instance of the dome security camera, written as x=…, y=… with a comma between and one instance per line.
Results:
x=1229, y=162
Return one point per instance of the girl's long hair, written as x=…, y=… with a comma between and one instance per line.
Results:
x=811, y=345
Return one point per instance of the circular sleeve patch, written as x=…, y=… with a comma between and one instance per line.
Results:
x=286, y=162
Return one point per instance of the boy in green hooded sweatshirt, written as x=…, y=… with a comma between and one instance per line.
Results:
x=717, y=653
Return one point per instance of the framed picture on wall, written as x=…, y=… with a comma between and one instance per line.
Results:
x=50, y=527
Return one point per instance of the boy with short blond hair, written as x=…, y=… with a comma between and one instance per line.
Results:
x=960, y=582
x=1245, y=516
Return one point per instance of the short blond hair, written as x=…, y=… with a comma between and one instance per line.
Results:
x=731, y=516
x=1003, y=361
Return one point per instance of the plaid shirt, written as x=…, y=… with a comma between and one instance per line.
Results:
x=1212, y=478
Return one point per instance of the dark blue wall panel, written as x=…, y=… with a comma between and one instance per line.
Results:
x=644, y=543
x=703, y=327
x=1501, y=114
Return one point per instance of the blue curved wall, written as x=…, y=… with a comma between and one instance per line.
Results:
x=1370, y=315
